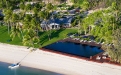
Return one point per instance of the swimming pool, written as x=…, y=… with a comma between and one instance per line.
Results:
x=74, y=49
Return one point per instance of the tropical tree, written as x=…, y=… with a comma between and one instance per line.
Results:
x=74, y=1
x=114, y=50
x=85, y=5
x=77, y=21
x=16, y=28
x=22, y=6
x=35, y=10
x=2, y=5
x=35, y=24
x=7, y=18
x=15, y=31
x=31, y=28
x=30, y=38
x=115, y=14
x=45, y=15
x=28, y=7
x=74, y=23
x=99, y=24
x=49, y=6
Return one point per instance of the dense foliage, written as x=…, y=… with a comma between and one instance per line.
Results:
x=114, y=50
x=95, y=4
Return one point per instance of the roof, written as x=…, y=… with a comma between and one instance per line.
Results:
x=54, y=24
x=1, y=14
x=58, y=21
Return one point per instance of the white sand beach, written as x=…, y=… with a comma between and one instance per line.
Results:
x=55, y=62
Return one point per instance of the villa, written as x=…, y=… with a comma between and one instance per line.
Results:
x=57, y=23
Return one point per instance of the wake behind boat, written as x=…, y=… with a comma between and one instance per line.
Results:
x=14, y=65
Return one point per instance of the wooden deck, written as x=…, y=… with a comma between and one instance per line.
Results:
x=102, y=58
x=92, y=59
x=90, y=43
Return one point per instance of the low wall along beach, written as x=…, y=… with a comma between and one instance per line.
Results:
x=66, y=65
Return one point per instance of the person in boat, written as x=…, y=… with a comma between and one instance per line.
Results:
x=17, y=63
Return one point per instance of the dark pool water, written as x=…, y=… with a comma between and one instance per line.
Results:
x=74, y=49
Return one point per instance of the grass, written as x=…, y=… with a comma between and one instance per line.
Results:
x=55, y=36
x=5, y=37
x=44, y=39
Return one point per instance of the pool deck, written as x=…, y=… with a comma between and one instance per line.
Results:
x=90, y=43
x=102, y=58
x=92, y=59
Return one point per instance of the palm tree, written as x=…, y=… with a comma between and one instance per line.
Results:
x=35, y=25
x=79, y=20
x=7, y=18
x=22, y=6
x=115, y=14
x=15, y=31
x=28, y=7
x=49, y=7
x=27, y=40
x=85, y=5
x=30, y=39
x=45, y=15
x=31, y=28
x=114, y=50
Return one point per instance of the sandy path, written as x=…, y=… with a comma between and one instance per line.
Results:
x=55, y=62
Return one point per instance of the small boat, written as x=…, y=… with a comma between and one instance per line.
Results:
x=14, y=65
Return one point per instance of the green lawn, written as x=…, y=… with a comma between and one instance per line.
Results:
x=55, y=36
x=44, y=40
x=5, y=37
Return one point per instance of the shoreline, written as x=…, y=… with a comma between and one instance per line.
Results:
x=55, y=62
x=25, y=55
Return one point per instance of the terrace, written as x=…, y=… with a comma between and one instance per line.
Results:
x=98, y=56
x=104, y=58
x=83, y=42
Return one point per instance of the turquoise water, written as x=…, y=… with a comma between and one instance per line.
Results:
x=4, y=70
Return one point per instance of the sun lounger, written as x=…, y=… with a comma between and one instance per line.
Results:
x=98, y=58
x=85, y=40
x=104, y=57
x=81, y=40
x=99, y=43
x=102, y=43
x=105, y=53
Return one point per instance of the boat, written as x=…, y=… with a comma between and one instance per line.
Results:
x=14, y=65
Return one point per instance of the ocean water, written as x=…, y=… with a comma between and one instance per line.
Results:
x=4, y=70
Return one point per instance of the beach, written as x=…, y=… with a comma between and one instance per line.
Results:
x=54, y=62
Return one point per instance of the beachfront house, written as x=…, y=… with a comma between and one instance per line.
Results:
x=57, y=23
